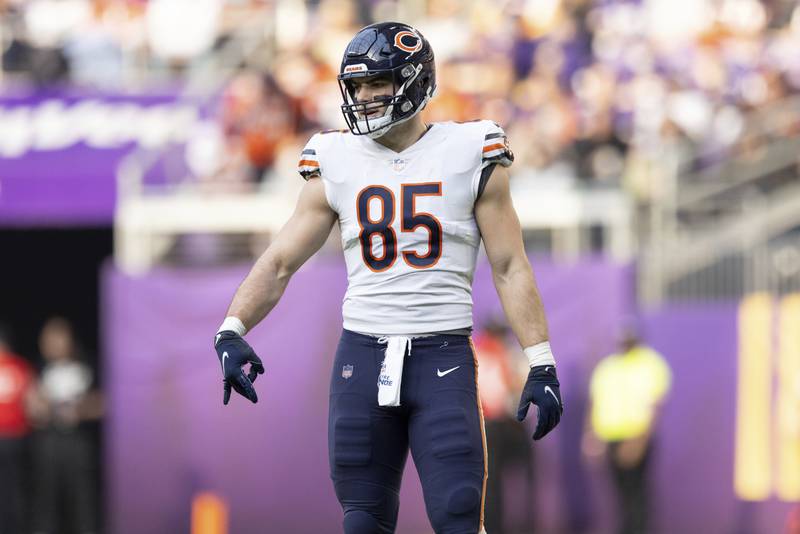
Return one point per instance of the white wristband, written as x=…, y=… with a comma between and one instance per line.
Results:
x=540, y=354
x=233, y=324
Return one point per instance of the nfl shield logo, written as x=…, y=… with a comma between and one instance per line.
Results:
x=347, y=371
x=398, y=165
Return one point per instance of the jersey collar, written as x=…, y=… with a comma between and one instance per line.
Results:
x=426, y=138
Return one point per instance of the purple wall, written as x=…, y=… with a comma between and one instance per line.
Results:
x=169, y=435
x=694, y=472
x=60, y=149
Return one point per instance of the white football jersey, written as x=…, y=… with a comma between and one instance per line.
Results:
x=408, y=228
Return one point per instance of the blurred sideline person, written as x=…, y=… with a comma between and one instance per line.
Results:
x=508, y=448
x=626, y=392
x=16, y=377
x=63, y=451
x=413, y=201
x=793, y=521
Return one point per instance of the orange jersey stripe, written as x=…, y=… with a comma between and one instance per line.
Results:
x=493, y=147
x=308, y=162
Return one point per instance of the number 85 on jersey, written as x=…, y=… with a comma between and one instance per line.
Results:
x=377, y=210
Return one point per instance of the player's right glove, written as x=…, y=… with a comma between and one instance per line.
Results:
x=233, y=353
x=543, y=390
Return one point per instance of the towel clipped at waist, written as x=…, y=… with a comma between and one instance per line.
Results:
x=391, y=375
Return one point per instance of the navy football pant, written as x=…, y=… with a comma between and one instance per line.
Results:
x=439, y=419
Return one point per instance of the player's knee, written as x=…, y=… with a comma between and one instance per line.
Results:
x=360, y=522
x=369, y=508
x=463, y=500
x=459, y=511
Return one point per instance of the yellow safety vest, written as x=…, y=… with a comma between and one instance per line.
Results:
x=625, y=389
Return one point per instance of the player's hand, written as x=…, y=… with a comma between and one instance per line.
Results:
x=233, y=353
x=542, y=389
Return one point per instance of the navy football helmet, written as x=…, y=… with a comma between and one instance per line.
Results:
x=400, y=54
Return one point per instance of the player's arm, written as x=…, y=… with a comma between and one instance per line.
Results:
x=516, y=287
x=302, y=235
x=511, y=271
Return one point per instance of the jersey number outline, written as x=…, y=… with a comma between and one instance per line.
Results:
x=411, y=220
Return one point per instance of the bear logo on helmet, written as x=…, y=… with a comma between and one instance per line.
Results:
x=408, y=41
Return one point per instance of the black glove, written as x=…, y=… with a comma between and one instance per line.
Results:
x=233, y=353
x=542, y=389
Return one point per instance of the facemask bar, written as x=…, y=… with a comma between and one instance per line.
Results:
x=377, y=125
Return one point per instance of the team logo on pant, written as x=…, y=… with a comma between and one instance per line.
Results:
x=347, y=371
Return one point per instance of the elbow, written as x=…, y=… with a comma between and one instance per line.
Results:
x=278, y=267
x=503, y=271
x=284, y=271
x=500, y=271
x=507, y=269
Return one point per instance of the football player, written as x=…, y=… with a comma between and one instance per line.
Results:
x=413, y=201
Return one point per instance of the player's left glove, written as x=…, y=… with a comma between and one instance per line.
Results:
x=233, y=353
x=542, y=389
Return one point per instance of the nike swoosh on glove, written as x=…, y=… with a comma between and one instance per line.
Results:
x=233, y=353
x=542, y=389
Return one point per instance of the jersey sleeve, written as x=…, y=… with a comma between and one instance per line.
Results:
x=309, y=166
x=317, y=151
x=495, y=147
x=494, y=151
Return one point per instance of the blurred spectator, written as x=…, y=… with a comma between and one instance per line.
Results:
x=94, y=51
x=602, y=89
x=179, y=30
x=31, y=54
x=16, y=377
x=509, y=449
x=257, y=118
x=793, y=521
x=626, y=392
x=63, y=452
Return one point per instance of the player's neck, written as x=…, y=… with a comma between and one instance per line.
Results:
x=403, y=135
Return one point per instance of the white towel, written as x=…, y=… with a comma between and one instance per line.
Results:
x=391, y=375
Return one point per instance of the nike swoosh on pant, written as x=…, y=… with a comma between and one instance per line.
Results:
x=442, y=373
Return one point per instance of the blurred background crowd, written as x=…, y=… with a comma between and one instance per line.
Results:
x=686, y=109
x=594, y=91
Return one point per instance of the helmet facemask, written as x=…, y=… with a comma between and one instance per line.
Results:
x=397, y=108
